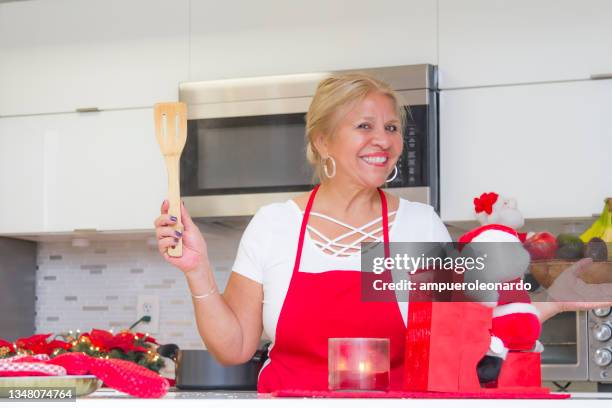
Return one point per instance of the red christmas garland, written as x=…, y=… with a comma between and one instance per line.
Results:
x=97, y=343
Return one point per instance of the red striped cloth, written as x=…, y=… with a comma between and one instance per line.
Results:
x=36, y=358
x=13, y=369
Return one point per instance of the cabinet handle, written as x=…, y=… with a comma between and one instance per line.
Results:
x=601, y=76
x=86, y=110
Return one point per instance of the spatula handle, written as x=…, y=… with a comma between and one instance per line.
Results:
x=174, y=198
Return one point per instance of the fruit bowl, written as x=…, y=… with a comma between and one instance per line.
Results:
x=546, y=271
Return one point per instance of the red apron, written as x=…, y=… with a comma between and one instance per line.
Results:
x=328, y=304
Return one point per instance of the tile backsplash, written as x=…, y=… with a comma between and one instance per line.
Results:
x=98, y=286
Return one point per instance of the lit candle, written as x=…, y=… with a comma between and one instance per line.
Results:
x=358, y=364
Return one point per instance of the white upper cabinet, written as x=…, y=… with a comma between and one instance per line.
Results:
x=485, y=42
x=21, y=176
x=251, y=38
x=103, y=171
x=60, y=55
x=546, y=145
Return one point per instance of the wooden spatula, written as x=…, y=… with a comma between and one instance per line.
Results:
x=171, y=131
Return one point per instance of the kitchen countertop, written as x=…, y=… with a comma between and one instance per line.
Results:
x=249, y=398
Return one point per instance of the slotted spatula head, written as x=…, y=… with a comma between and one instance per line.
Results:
x=171, y=127
x=171, y=132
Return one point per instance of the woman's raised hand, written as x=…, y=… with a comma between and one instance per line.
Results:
x=195, y=252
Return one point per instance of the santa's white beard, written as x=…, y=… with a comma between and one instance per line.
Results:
x=510, y=217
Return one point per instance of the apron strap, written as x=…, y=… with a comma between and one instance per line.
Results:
x=298, y=254
x=385, y=222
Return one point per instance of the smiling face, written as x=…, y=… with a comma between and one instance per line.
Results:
x=367, y=142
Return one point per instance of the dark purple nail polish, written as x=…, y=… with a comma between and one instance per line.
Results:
x=173, y=218
x=178, y=233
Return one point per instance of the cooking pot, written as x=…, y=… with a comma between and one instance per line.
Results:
x=198, y=369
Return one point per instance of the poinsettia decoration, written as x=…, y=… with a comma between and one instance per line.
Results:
x=126, y=341
x=38, y=344
x=126, y=345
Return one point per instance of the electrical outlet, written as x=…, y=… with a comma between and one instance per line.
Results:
x=148, y=305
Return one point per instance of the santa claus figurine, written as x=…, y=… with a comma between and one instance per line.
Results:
x=516, y=324
x=491, y=208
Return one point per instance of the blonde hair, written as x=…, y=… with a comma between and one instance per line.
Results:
x=335, y=95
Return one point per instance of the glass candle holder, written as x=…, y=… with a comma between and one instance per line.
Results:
x=358, y=364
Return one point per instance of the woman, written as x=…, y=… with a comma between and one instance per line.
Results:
x=301, y=295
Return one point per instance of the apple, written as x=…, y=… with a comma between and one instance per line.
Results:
x=541, y=245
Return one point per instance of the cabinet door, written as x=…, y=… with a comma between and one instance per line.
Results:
x=485, y=42
x=250, y=38
x=21, y=176
x=546, y=145
x=103, y=171
x=60, y=55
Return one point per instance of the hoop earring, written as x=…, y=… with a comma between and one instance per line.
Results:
x=324, y=164
x=394, y=174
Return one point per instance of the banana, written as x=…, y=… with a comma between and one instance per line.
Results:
x=602, y=227
x=607, y=234
x=598, y=227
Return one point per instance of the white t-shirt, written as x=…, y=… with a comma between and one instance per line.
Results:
x=267, y=249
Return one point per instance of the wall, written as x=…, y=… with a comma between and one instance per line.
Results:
x=98, y=286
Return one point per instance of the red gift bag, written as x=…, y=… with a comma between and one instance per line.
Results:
x=521, y=369
x=444, y=342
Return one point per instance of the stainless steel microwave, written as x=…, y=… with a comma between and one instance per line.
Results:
x=246, y=146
